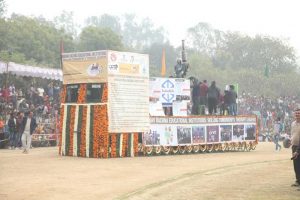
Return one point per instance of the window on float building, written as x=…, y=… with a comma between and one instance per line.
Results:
x=94, y=92
x=72, y=93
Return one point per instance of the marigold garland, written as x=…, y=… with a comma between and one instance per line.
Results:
x=81, y=93
x=125, y=144
x=72, y=121
x=103, y=137
x=63, y=94
x=136, y=144
x=96, y=131
x=83, y=132
x=105, y=93
x=113, y=146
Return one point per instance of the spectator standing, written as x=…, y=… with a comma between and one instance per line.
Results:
x=213, y=94
x=277, y=130
x=203, y=96
x=29, y=124
x=295, y=131
x=19, y=129
x=232, y=104
x=12, y=130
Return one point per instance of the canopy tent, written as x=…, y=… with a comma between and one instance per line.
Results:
x=25, y=70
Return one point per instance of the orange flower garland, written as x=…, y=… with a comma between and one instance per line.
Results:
x=113, y=145
x=124, y=144
x=105, y=93
x=72, y=121
x=63, y=94
x=136, y=144
x=81, y=93
x=96, y=131
x=83, y=134
x=61, y=127
x=103, y=137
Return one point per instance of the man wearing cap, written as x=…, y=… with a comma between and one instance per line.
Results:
x=295, y=132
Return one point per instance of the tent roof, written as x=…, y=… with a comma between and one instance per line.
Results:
x=25, y=70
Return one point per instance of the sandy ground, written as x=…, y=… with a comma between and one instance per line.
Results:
x=42, y=174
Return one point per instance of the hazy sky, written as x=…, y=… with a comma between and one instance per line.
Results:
x=280, y=18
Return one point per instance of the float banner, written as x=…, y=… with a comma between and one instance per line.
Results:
x=84, y=67
x=167, y=90
x=174, y=131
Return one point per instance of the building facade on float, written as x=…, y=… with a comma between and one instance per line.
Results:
x=105, y=103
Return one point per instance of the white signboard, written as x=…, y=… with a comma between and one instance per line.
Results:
x=128, y=92
x=167, y=90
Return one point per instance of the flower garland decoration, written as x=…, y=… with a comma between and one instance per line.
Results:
x=81, y=93
x=125, y=144
x=63, y=94
x=104, y=94
x=113, y=146
x=136, y=144
x=103, y=137
x=72, y=121
x=97, y=131
x=83, y=132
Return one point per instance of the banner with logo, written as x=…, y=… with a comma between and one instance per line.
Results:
x=167, y=90
x=128, y=92
x=85, y=67
x=174, y=131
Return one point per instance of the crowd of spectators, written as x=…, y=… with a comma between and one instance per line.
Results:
x=42, y=101
x=16, y=103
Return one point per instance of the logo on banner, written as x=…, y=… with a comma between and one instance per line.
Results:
x=168, y=91
x=94, y=69
x=113, y=67
x=113, y=57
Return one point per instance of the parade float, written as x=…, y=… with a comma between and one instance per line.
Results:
x=111, y=108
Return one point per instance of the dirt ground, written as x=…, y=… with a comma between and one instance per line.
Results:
x=42, y=174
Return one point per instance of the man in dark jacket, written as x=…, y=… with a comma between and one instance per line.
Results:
x=233, y=97
x=12, y=130
x=213, y=94
x=29, y=124
x=19, y=129
x=295, y=133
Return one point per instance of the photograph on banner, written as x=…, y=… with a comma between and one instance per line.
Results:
x=250, y=132
x=184, y=135
x=212, y=134
x=168, y=136
x=198, y=134
x=226, y=133
x=152, y=137
x=238, y=133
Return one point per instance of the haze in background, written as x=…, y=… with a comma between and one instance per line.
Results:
x=276, y=18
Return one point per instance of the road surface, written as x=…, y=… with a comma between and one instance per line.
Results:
x=43, y=174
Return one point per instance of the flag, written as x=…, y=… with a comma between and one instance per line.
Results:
x=163, y=63
x=267, y=71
